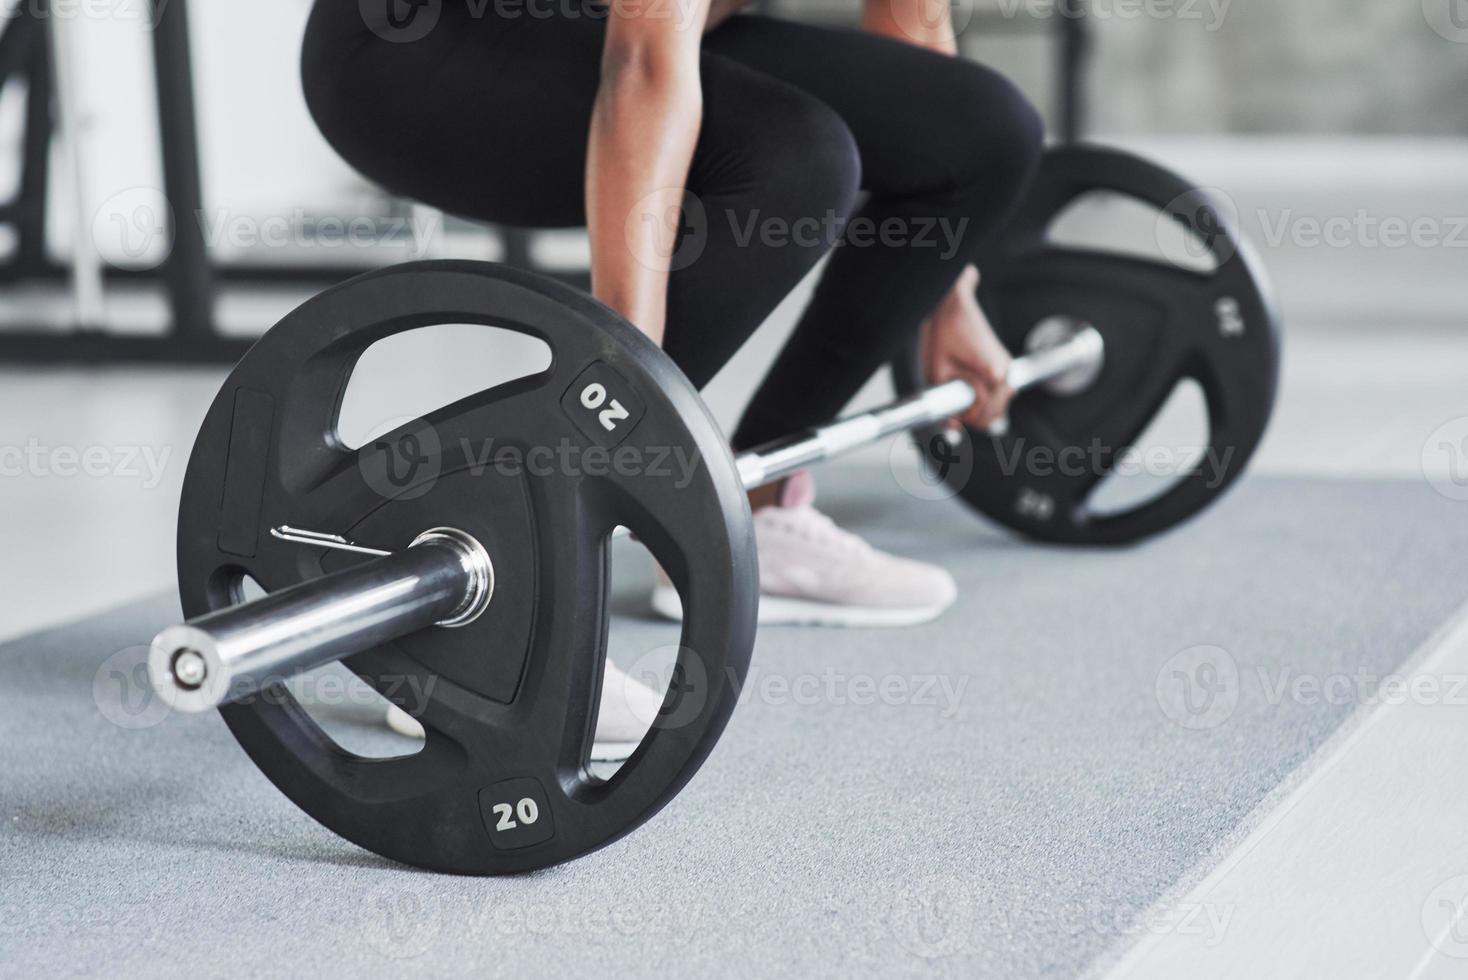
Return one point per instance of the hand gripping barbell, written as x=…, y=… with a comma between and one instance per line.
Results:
x=483, y=586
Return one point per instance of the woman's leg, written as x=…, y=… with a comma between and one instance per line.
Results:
x=488, y=118
x=947, y=148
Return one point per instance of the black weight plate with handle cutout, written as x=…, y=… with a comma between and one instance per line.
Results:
x=540, y=470
x=1161, y=322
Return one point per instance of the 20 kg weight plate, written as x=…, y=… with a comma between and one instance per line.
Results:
x=1162, y=322
x=508, y=702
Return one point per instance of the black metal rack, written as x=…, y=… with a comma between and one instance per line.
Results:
x=188, y=275
x=26, y=53
x=1075, y=53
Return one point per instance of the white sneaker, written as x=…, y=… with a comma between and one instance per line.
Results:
x=814, y=573
x=628, y=708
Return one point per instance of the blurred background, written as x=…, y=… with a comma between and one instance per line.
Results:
x=1333, y=129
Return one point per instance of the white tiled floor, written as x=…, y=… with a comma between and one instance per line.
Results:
x=80, y=543
x=1355, y=403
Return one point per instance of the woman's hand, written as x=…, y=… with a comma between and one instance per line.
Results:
x=960, y=344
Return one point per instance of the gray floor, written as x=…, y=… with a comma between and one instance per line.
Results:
x=1040, y=782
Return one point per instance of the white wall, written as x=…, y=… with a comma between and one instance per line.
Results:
x=1352, y=65
x=261, y=154
x=261, y=150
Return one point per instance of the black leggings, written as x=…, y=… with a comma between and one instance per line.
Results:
x=484, y=112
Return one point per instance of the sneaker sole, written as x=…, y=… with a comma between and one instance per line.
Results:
x=408, y=726
x=782, y=611
x=613, y=751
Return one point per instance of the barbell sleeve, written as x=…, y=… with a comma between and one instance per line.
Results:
x=445, y=578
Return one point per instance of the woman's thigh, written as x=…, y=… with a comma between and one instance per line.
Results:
x=488, y=118
x=924, y=122
x=487, y=115
x=483, y=116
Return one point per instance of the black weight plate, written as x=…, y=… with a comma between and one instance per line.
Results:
x=508, y=701
x=1162, y=323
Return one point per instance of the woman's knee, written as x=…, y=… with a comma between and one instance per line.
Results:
x=812, y=153
x=995, y=135
x=779, y=151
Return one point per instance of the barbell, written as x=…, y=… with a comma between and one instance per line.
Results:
x=480, y=582
x=446, y=578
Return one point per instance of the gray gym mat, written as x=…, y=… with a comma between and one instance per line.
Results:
x=996, y=794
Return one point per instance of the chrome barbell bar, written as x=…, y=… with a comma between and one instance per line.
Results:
x=445, y=578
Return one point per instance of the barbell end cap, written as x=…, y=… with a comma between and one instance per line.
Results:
x=186, y=671
x=1085, y=356
x=1094, y=343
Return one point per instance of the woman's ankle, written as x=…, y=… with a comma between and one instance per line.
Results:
x=766, y=496
x=796, y=490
